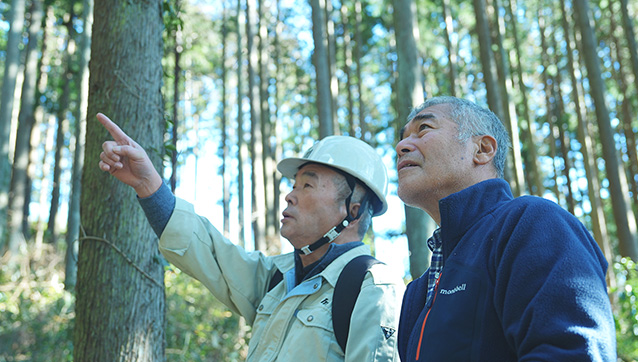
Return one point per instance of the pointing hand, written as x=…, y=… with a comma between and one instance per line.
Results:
x=127, y=161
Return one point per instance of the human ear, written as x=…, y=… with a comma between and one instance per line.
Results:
x=486, y=149
x=354, y=209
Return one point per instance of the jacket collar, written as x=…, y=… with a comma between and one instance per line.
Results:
x=333, y=270
x=461, y=210
x=286, y=262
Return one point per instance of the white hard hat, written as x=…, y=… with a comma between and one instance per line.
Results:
x=349, y=155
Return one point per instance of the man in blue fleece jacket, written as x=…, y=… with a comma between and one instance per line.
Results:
x=511, y=279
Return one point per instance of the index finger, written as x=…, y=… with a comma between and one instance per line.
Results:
x=116, y=132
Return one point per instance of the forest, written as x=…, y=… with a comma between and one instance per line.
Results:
x=217, y=91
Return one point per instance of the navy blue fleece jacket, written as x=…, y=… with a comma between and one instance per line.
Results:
x=523, y=280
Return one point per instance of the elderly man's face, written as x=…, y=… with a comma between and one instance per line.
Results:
x=312, y=206
x=432, y=163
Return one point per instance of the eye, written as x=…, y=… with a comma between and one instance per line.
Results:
x=306, y=185
x=424, y=126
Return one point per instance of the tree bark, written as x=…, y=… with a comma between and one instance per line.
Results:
x=490, y=77
x=347, y=68
x=549, y=108
x=509, y=109
x=38, y=135
x=224, y=149
x=120, y=301
x=410, y=94
x=277, y=151
x=357, y=59
x=451, y=48
x=562, y=125
x=61, y=129
x=177, y=72
x=487, y=63
x=533, y=174
x=17, y=194
x=623, y=214
x=271, y=236
x=322, y=70
x=623, y=110
x=73, y=223
x=256, y=146
x=11, y=64
x=46, y=180
x=598, y=223
x=331, y=40
x=241, y=144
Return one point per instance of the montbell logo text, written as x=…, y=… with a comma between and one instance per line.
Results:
x=459, y=288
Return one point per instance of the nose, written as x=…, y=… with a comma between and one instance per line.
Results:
x=290, y=198
x=404, y=146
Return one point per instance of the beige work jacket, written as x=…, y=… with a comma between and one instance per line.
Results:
x=291, y=322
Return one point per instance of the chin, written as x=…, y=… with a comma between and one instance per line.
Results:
x=402, y=192
x=286, y=234
x=409, y=197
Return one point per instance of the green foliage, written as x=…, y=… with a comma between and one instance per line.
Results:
x=626, y=309
x=170, y=14
x=37, y=315
x=199, y=327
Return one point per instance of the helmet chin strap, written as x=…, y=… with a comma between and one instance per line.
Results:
x=327, y=237
x=333, y=233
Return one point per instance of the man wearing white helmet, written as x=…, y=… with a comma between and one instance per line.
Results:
x=340, y=183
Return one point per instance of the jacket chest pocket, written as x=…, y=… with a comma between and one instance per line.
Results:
x=266, y=307
x=312, y=331
x=263, y=321
x=316, y=318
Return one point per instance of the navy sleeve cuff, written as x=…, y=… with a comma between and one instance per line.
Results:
x=158, y=208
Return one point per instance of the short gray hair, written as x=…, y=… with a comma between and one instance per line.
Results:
x=473, y=120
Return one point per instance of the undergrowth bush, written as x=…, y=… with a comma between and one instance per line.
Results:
x=626, y=309
x=199, y=327
x=37, y=314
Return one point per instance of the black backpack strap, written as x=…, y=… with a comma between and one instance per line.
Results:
x=274, y=280
x=346, y=293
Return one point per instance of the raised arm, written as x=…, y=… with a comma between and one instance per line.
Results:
x=127, y=161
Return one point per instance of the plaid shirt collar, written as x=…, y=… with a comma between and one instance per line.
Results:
x=436, y=264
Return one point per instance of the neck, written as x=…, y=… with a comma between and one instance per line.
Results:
x=345, y=237
x=432, y=209
x=314, y=256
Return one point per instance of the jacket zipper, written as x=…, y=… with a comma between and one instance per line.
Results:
x=436, y=288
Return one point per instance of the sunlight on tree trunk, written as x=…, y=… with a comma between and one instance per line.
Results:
x=17, y=194
x=120, y=286
x=256, y=146
x=242, y=151
x=322, y=69
x=11, y=64
x=419, y=225
x=73, y=224
x=623, y=214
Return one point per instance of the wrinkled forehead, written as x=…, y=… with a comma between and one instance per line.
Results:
x=314, y=170
x=437, y=112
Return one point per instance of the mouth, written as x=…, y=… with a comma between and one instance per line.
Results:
x=405, y=164
x=286, y=216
